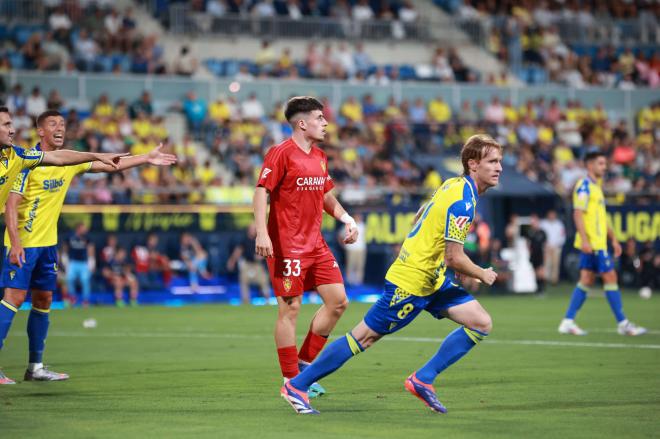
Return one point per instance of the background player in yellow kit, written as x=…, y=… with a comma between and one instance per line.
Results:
x=592, y=232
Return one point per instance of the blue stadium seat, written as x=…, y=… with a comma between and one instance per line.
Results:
x=231, y=67
x=121, y=60
x=16, y=60
x=538, y=75
x=215, y=66
x=23, y=33
x=407, y=72
x=104, y=63
x=303, y=71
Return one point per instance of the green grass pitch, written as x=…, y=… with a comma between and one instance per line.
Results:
x=211, y=371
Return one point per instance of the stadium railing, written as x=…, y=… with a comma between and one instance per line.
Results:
x=84, y=89
x=183, y=20
x=22, y=11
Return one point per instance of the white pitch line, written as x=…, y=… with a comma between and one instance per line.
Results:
x=93, y=333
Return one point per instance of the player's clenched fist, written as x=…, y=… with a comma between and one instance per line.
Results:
x=488, y=277
x=351, y=234
x=264, y=247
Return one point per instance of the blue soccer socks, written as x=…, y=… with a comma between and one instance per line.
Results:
x=7, y=313
x=453, y=348
x=331, y=358
x=614, y=298
x=577, y=300
x=37, y=329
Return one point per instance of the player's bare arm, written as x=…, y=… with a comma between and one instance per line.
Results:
x=457, y=260
x=578, y=217
x=16, y=252
x=616, y=247
x=419, y=213
x=334, y=208
x=263, y=246
x=65, y=157
x=155, y=157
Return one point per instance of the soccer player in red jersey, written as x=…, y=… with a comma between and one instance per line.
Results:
x=295, y=174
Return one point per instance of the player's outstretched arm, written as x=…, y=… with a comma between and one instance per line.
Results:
x=65, y=157
x=16, y=251
x=263, y=245
x=334, y=208
x=155, y=157
x=457, y=260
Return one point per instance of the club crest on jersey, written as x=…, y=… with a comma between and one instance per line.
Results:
x=287, y=284
x=266, y=172
x=323, y=165
x=12, y=274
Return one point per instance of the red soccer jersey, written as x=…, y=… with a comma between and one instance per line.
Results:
x=297, y=182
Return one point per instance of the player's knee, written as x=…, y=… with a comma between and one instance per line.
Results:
x=42, y=301
x=15, y=298
x=290, y=310
x=339, y=307
x=483, y=323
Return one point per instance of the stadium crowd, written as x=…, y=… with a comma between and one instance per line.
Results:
x=576, y=43
x=374, y=150
x=87, y=36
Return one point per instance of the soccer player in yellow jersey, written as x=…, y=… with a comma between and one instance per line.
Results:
x=32, y=211
x=425, y=276
x=14, y=159
x=592, y=232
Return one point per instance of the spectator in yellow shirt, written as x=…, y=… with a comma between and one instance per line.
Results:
x=439, y=111
x=103, y=107
x=219, y=111
x=352, y=110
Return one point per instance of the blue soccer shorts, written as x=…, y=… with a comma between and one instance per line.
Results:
x=39, y=271
x=598, y=261
x=396, y=308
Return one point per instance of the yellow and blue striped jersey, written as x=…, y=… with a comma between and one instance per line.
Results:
x=43, y=190
x=420, y=268
x=13, y=160
x=588, y=197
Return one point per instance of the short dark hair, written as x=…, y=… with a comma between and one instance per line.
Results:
x=45, y=115
x=4, y=110
x=592, y=154
x=301, y=104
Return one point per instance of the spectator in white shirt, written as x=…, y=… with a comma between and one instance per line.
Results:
x=85, y=50
x=264, y=9
x=407, y=12
x=252, y=108
x=36, y=103
x=556, y=237
x=58, y=20
x=294, y=10
x=362, y=11
x=216, y=8
x=494, y=111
